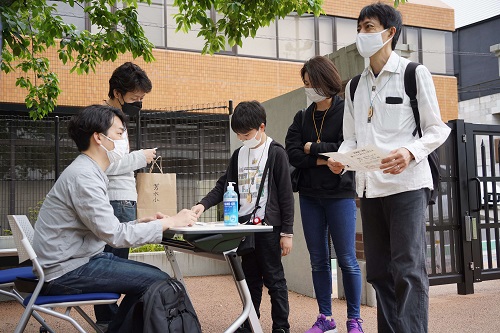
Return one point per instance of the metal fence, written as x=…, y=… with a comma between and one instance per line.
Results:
x=192, y=142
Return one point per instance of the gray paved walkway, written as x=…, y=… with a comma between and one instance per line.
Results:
x=216, y=301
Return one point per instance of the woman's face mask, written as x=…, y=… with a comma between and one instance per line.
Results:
x=314, y=96
x=253, y=142
x=121, y=148
x=369, y=43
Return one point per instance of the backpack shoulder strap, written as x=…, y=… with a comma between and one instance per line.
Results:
x=410, y=83
x=353, y=85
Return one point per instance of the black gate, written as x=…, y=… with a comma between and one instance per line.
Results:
x=462, y=228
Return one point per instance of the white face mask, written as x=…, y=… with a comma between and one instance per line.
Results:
x=314, y=96
x=121, y=148
x=369, y=43
x=251, y=143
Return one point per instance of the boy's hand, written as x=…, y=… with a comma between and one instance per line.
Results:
x=198, y=209
x=183, y=218
x=286, y=245
x=150, y=154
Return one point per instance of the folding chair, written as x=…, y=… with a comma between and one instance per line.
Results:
x=23, y=232
x=7, y=278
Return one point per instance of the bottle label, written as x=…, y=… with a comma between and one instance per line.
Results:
x=231, y=212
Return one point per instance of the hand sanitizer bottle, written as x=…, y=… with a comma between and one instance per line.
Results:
x=230, y=206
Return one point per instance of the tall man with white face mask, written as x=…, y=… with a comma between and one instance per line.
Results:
x=393, y=200
x=76, y=220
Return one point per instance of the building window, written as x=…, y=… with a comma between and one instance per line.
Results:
x=325, y=32
x=152, y=20
x=181, y=40
x=263, y=45
x=70, y=15
x=296, y=37
x=345, y=32
x=411, y=37
x=434, y=50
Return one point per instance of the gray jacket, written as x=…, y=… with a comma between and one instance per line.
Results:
x=76, y=221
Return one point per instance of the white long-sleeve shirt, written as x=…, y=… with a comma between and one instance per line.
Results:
x=121, y=176
x=392, y=126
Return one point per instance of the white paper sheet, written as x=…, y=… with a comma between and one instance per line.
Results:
x=361, y=159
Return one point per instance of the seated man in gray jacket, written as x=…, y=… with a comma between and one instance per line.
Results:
x=76, y=221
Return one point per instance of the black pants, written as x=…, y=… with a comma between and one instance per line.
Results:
x=263, y=268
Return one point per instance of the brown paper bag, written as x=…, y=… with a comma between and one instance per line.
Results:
x=156, y=192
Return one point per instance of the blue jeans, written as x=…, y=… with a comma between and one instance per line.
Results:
x=106, y=272
x=125, y=211
x=394, y=238
x=338, y=216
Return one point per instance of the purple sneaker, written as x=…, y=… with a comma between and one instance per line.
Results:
x=323, y=325
x=354, y=325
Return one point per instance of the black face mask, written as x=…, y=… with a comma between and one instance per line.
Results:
x=132, y=109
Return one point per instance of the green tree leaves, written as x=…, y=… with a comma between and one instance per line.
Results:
x=30, y=27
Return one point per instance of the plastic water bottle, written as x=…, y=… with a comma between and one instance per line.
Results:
x=230, y=206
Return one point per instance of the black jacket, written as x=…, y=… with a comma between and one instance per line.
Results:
x=318, y=181
x=280, y=202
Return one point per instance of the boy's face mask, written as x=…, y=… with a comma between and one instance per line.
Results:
x=253, y=142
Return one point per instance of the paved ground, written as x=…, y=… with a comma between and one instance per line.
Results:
x=217, y=302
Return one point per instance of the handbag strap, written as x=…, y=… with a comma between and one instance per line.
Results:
x=155, y=162
x=261, y=187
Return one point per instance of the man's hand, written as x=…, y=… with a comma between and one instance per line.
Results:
x=286, y=245
x=157, y=216
x=334, y=166
x=150, y=154
x=185, y=217
x=396, y=161
x=198, y=209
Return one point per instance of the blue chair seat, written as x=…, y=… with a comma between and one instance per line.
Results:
x=42, y=300
x=10, y=275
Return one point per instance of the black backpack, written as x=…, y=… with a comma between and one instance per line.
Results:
x=410, y=83
x=165, y=307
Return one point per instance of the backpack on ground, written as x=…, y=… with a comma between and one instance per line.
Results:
x=165, y=307
x=410, y=83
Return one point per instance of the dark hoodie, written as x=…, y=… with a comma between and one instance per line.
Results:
x=318, y=181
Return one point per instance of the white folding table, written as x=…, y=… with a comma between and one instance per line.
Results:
x=217, y=241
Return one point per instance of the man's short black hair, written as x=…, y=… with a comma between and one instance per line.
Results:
x=128, y=78
x=93, y=119
x=248, y=116
x=323, y=76
x=388, y=17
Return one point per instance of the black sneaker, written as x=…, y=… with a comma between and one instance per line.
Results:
x=243, y=329
x=281, y=330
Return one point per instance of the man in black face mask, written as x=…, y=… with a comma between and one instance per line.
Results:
x=127, y=87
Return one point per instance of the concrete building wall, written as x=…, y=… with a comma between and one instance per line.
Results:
x=482, y=110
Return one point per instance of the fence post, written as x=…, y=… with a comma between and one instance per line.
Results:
x=56, y=147
x=12, y=185
x=138, y=131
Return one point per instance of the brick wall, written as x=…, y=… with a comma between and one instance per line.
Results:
x=418, y=13
x=187, y=78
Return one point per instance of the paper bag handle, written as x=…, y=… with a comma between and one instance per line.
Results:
x=155, y=162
